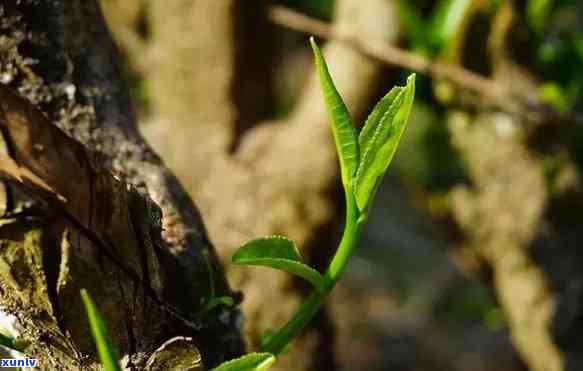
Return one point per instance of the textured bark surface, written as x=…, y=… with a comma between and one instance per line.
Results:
x=59, y=56
x=282, y=175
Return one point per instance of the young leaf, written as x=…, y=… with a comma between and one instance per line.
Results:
x=379, y=140
x=371, y=125
x=105, y=348
x=342, y=127
x=249, y=362
x=276, y=252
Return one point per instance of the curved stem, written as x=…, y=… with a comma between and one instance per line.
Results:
x=276, y=343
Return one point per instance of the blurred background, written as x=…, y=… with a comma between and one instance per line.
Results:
x=471, y=259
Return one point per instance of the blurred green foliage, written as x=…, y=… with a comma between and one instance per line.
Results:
x=433, y=35
x=556, y=38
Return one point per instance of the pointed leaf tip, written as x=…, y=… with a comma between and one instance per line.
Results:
x=411, y=80
x=343, y=129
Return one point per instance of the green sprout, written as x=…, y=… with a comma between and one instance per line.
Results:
x=364, y=159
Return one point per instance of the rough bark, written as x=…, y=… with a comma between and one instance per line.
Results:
x=146, y=268
x=281, y=176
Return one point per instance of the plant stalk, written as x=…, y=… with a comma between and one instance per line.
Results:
x=278, y=341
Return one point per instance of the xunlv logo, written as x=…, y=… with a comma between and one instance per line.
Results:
x=19, y=362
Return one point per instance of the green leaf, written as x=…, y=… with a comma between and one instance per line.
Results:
x=371, y=125
x=12, y=343
x=276, y=252
x=105, y=348
x=249, y=362
x=379, y=139
x=342, y=127
x=446, y=22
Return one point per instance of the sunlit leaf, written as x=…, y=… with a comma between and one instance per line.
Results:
x=107, y=353
x=342, y=127
x=371, y=125
x=276, y=252
x=379, y=140
x=249, y=362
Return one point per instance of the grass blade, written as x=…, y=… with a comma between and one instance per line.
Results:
x=105, y=348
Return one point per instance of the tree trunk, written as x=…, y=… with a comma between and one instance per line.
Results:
x=98, y=211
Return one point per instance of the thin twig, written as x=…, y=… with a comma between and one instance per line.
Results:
x=498, y=95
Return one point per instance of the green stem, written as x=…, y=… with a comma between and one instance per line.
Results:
x=277, y=342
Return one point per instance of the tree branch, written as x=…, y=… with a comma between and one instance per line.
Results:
x=498, y=94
